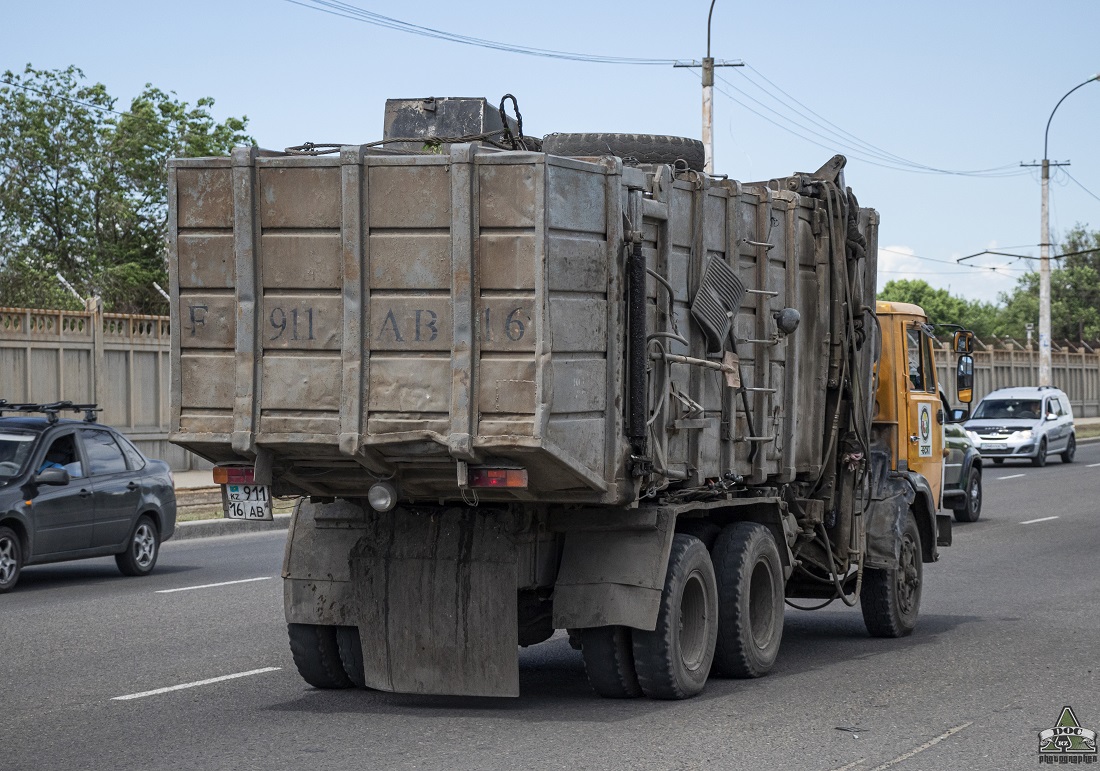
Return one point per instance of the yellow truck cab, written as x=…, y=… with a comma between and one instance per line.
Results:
x=909, y=416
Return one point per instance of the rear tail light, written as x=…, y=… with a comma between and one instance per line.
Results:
x=498, y=477
x=234, y=475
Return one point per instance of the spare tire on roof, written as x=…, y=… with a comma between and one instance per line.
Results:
x=644, y=148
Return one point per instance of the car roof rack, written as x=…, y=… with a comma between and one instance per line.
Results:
x=51, y=409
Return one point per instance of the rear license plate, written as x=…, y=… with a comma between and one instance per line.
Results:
x=248, y=502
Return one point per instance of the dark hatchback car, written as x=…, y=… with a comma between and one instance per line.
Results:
x=71, y=489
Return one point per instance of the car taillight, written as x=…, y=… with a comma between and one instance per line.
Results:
x=498, y=477
x=234, y=475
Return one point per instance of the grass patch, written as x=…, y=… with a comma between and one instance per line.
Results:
x=1088, y=432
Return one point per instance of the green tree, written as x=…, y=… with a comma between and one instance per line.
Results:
x=53, y=184
x=1074, y=292
x=83, y=187
x=942, y=307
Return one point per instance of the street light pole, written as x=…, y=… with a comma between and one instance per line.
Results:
x=708, y=101
x=1044, y=251
x=708, y=64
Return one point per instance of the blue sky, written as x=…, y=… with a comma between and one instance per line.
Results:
x=949, y=85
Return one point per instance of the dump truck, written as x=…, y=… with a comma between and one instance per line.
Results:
x=572, y=384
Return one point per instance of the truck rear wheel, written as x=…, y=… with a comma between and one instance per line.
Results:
x=351, y=654
x=750, y=600
x=317, y=655
x=890, y=599
x=673, y=661
x=609, y=661
x=644, y=148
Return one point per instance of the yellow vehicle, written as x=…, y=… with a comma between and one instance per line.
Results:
x=907, y=431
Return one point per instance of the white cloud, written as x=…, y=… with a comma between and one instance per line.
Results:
x=902, y=262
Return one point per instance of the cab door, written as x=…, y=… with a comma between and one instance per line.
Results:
x=924, y=411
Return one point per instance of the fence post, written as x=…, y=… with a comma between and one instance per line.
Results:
x=94, y=306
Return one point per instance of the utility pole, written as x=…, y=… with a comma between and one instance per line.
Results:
x=708, y=64
x=1044, y=247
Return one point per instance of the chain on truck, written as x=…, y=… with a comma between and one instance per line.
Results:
x=574, y=384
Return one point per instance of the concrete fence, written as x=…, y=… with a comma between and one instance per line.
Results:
x=119, y=361
x=1075, y=368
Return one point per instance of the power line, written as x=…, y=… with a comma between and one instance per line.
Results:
x=1063, y=171
x=355, y=13
x=873, y=157
x=47, y=94
x=825, y=123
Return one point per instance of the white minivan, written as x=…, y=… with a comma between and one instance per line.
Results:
x=1024, y=423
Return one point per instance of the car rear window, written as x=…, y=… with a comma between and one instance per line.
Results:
x=104, y=454
x=133, y=455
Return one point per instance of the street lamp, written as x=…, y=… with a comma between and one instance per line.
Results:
x=708, y=64
x=708, y=101
x=1044, y=252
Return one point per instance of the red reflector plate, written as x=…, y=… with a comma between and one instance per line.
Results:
x=498, y=477
x=234, y=475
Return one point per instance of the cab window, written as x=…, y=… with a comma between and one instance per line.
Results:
x=921, y=376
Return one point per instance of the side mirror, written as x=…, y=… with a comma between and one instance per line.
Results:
x=964, y=378
x=959, y=416
x=1052, y=416
x=52, y=476
x=963, y=342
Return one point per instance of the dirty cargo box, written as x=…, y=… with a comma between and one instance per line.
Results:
x=374, y=311
x=372, y=315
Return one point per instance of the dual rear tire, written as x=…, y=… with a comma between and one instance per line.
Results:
x=327, y=656
x=720, y=610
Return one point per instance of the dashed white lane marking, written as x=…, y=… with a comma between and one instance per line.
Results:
x=210, y=586
x=927, y=745
x=1011, y=476
x=1041, y=519
x=195, y=684
x=1092, y=465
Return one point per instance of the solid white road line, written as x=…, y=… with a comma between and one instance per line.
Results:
x=927, y=745
x=1011, y=476
x=1092, y=465
x=208, y=586
x=195, y=684
x=1041, y=519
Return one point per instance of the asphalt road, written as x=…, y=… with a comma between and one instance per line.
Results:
x=1009, y=635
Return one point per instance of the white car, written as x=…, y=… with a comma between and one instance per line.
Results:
x=1029, y=423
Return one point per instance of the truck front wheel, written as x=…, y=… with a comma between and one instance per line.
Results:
x=317, y=655
x=609, y=661
x=673, y=661
x=890, y=599
x=750, y=600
